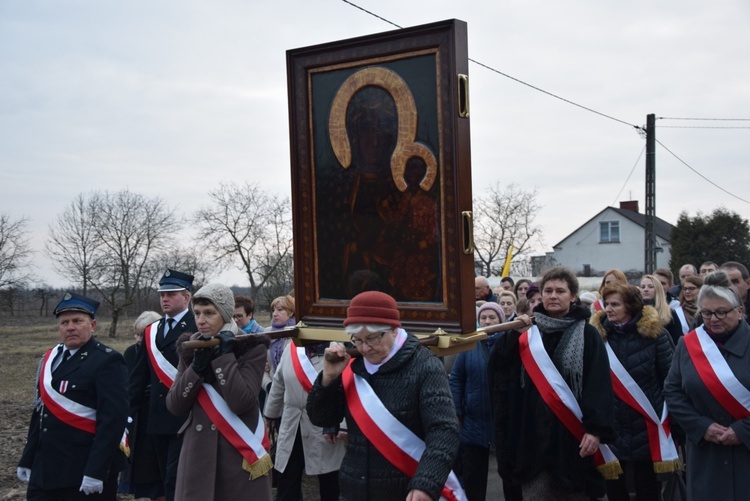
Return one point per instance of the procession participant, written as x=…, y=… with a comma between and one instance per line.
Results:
x=141, y=478
x=740, y=279
x=507, y=301
x=244, y=309
x=73, y=446
x=653, y=294
x=403, y=431
x=708, y=394
x=707, y=267
x=155, y=369
x=471, y=398
x=521, y=287
x=640, y=353
x=482, y=290
x=224, y=455
x=688, y=302
x=611, y=277
x=553, y=399
x=301, y=446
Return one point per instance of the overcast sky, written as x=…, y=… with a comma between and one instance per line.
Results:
x=169, y=98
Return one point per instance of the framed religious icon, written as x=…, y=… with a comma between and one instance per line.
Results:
x=381, y=176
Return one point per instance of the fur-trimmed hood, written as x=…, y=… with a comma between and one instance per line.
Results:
x=647, y=324
x=245, y=343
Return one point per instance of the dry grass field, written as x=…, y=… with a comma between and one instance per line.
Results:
x=23, y=340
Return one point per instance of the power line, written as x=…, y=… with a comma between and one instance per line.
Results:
x=637, y=127
x=629, y=175
x=697, y=127
x=701, y=175
x=708, y=119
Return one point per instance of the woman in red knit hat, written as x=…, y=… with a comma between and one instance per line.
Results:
x=403, y=431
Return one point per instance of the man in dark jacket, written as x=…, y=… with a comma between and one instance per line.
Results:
x=174, y=295
x=482, y=291
x=72, y=450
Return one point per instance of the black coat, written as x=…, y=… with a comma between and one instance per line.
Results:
x=529, y=438
x=58, y=454
x=143, y=377
x=413, y=386
x=645, y=350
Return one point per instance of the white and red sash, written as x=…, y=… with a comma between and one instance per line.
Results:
x=598, y=305
x=252, y=445
x=683, y=319
x=716, y=374
x=397, y=443
x=165, y=371
x=557, y=395
x=662, y=447
x=66, y=410
x=303, y=367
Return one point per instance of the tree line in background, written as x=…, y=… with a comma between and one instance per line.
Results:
x=115, y=245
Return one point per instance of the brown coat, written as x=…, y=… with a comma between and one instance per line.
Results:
x=210, y=468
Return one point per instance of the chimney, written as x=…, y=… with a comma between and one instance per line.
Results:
x=630, y=205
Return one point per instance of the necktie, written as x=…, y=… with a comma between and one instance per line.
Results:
x=65, y=357
x=170, y=323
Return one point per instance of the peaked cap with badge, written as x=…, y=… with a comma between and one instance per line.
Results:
x=175, y=281
x=76, y=302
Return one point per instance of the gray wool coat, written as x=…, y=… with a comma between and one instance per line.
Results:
x=713, y=471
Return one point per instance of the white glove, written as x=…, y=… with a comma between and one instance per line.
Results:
x=23, y=474
x=91, y=485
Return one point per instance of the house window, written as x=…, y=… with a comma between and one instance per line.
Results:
x=609, y=231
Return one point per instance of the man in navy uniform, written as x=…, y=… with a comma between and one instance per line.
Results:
x=155, y=369
x=73, y=447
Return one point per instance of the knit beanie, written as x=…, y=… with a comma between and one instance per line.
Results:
x=220, y=296
x=489, y=305
x=373, y=307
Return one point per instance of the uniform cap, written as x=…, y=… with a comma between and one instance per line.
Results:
x=76, y=302
x=175, y=281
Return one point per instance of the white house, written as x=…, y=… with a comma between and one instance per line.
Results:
x=614, y=238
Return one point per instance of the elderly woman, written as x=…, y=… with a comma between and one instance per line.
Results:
x=688, y=302
x=223, y=454
x=403, y=431
x=472, y=400
x=708, y=394
x=141, y=477
x=301, y=446
x=642, y=348
x=542, y=446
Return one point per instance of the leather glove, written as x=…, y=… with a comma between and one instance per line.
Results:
x=23, y=474
x=202, y=360
x=91, y=485
x=226, y=342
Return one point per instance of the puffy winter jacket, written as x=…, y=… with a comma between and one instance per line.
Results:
x=645, y=349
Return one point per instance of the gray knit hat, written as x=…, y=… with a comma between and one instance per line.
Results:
x=220, y=296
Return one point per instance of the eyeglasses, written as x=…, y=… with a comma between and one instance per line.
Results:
x=369, y=341
x=719, y=314
x=241, y=315
x=690, y=289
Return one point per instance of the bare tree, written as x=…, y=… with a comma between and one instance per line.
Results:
x=504, y=216
x=73, y=244
x=127, y=230
x=15, y=253
x=247, y=227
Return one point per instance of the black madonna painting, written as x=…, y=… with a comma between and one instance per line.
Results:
x=378, y=178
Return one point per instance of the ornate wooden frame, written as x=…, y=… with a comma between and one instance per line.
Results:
x=376, y=225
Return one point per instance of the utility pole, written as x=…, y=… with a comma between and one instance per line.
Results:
x=650, y=254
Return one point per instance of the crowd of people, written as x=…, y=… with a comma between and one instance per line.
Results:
x=581, y=395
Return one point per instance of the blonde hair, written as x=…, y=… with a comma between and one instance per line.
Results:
x=660, y=300
x=509, y=294
x=286, y=302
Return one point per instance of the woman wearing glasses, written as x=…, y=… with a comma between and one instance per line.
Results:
x=708, y=394
x=403, y=431
x=688, y=302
